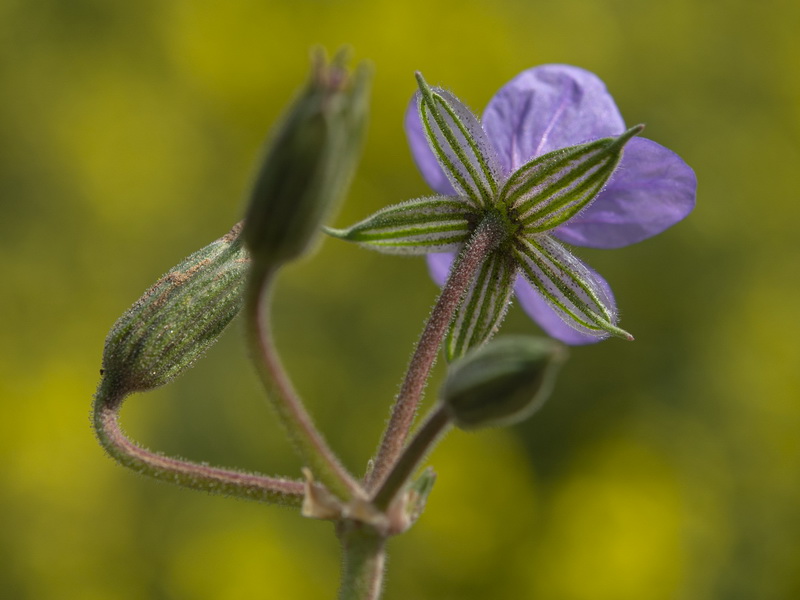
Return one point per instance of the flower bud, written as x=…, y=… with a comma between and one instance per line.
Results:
x=178, y=318
x=501, y=383
x=308, y=163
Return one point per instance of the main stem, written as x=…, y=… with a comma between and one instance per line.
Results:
x=364, y=560
x=306, y=438
x=489, y=233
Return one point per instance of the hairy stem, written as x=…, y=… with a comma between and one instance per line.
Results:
x=185, y=473
x=363, y=562
x=489, y=233
x=423, y=441
x=305, y=437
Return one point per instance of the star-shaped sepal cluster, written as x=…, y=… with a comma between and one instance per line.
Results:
x=526, y=205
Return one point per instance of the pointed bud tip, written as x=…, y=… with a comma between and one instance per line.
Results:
x=330, y=75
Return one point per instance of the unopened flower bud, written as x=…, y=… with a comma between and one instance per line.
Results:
x=501, y=383
x=178, y=318
x=308, y=164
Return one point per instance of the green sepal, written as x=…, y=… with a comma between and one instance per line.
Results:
x=553, y=188
x=433, y=224
x=459, y=143
x=569, y=286
x=483, y=307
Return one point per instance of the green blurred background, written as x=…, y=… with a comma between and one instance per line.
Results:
x=668, y=468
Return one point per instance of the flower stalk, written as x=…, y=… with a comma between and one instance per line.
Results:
x=305, y=172
x=305, y=437
x=488, y=235
x=215, y=480
x=430, y=431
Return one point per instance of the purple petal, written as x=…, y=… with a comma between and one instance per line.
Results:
x=539, y=310
x=422, y=153
x=547, y=108
x=651, y=190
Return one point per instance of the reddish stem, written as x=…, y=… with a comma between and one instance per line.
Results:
x=185, y=473
x=486, y=237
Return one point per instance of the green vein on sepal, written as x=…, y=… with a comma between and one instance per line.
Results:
x=444, y=160
x=479, y=194
x=592, y=315
x=457, y=148
x=597, y=314
x=484, y=306
x=563, y=268
x=539, y=169
x=560, y=184
x=560, y=212
x=476, y=151
x=554, y=175
x=420, y=226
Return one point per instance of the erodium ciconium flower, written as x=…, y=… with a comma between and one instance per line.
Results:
x=552, y=162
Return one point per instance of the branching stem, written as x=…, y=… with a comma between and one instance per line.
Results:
x=424, y=439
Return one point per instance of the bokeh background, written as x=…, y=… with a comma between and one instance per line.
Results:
x=668, y=468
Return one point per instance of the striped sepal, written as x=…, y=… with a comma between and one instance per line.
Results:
x=459, y=143
x=434, y=224
x=569, y=286
x=483, y=307
x=553, y=188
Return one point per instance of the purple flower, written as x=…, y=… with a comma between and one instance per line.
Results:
x=555, y=106
x=547, y=161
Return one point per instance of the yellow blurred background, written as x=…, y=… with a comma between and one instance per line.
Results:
x=668, y=468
